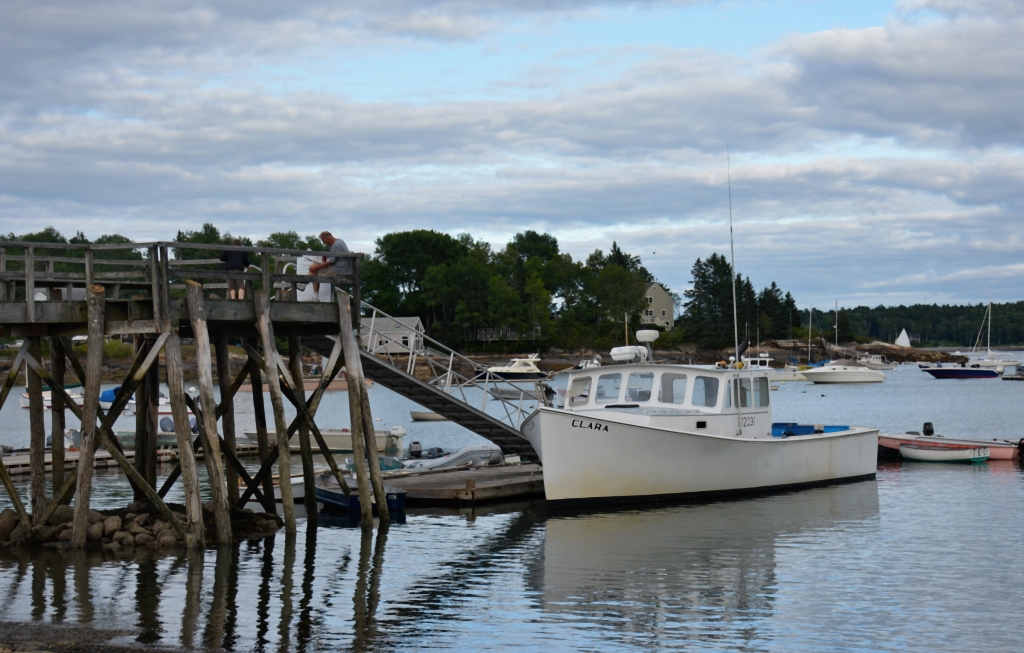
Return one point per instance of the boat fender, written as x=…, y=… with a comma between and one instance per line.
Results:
x=928, y=429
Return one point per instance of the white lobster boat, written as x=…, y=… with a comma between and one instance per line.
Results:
x=642, y=432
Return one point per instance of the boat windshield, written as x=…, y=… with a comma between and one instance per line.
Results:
x=579, y=391
x=705, y=391
x=639, y=386
x=673, y=388
x=608, y=386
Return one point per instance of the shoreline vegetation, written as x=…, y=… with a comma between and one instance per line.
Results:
x=541, y=299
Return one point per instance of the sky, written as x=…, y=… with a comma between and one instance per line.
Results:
x=873, y=149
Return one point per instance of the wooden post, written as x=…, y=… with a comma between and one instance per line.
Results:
x=211, y=439
x=142, y=440
x=3, y=268
x=148, y=469
x=57, y=415
x=227, y=422
x=183, y=431
x=359, y=459
x=30, y=285
x=357, y=397
x=37, y=433
x=261, y=301
x=305, y=450
x=260, y=414
x=96, y=304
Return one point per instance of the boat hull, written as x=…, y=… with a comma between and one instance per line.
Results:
x=426, y=416
x=997, y=450
x=594, y=461
x=946, y=454
x=826, y=375
x=330, y=494
x=962, y=372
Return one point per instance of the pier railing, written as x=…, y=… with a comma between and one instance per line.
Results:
x=147, y=274
x=462, y=378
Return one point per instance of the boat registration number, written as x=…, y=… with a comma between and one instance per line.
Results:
x=746, y=421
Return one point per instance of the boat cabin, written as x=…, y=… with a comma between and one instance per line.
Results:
x=678, y=397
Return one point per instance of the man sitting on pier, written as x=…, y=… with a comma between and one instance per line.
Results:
x=332, y=267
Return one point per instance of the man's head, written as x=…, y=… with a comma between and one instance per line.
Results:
x=327, y=238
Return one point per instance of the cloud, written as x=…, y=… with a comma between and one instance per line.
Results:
x=863, y=160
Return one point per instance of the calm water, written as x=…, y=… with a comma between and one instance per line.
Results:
x=923, y=559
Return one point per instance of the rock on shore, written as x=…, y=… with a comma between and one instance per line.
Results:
x=138, y=525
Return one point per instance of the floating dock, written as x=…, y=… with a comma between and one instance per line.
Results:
x=454, y=487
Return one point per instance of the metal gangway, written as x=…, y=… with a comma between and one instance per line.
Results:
x=444, y=381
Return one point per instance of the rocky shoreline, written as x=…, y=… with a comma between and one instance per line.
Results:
x=123, y=530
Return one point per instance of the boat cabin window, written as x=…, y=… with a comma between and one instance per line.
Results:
x=705, y=391
x=761, y=391
x=608, y=386
x=673, y=388
x=579, y=391
x=639, y=386
x=741, y=388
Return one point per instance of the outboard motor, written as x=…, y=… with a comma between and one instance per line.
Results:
x=195, y=426
x=928, y=429
x=435, y=452
x=415, y=449
x=166, y=424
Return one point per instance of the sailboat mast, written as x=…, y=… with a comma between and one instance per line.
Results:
x=735, y=314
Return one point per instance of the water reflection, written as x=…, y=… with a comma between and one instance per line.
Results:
x=740, y=575
x=705, y=573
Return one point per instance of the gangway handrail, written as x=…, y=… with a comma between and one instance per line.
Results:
x=444, y=364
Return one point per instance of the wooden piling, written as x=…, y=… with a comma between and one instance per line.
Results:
x=261, y=301
x=142, y=408
x=211, y=439
x=357, y=423
x=37, y=433
x=358, y=396
x=305, y=450
x=260, y=414
x=5, y=476
x=183, y=432
x=148, y=471
x=227, y=420
x=57, y=415
x=96, y=304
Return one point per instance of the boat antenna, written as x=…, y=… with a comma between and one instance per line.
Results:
x=735, y=314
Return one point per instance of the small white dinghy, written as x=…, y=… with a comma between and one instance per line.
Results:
x=944, y=454
x=474, y=455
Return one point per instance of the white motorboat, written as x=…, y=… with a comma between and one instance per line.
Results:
x=519, y=369
x=48, y=399
x=474, y=455
x=760, y=362
x=844, y=370
x=643, y=432
x=933, y=453
x=340, y=440
x=876, y=362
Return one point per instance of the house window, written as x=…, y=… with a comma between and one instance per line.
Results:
x=663, y=312
x=405, y=341
x=650, y=300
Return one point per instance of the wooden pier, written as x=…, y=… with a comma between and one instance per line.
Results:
x=159, y=293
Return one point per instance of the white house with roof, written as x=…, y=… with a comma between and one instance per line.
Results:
x=660, y=309
x=396, y=335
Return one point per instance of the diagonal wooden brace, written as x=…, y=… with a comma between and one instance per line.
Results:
x=5, y=476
